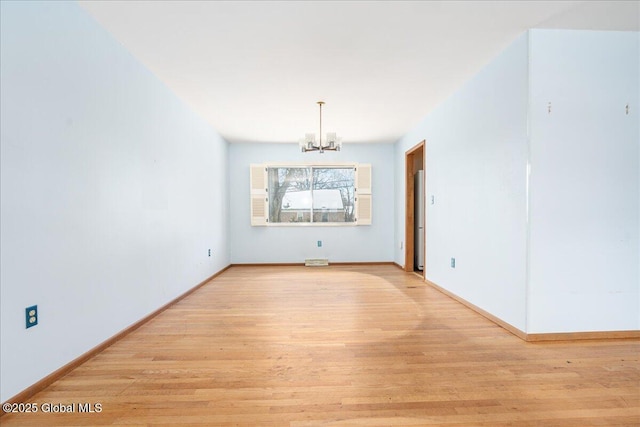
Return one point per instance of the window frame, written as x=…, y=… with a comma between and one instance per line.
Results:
x=311, y=166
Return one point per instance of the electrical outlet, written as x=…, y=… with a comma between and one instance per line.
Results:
x=31, y=316
x=319, y=243
x=453, y=263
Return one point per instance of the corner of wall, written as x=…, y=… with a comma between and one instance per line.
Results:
x=528, y=35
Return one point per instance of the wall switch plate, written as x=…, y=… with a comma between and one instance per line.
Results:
x=319, y=243
x=453, y=263
x=31, y=316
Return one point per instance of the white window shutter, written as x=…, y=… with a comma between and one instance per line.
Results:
x=364, y=209
x=363, y=178
x=259, y=195
x=364, y=206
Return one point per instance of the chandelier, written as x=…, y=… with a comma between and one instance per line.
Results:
x=331, y=143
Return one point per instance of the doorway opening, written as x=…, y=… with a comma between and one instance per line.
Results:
x=415, y=217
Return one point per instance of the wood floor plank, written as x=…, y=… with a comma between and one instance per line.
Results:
x=338, y=346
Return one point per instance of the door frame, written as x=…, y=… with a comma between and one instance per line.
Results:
x=409, y=246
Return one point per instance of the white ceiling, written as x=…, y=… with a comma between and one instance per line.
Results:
x=255, y=69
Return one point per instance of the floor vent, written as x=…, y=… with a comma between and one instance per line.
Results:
x=316, y=262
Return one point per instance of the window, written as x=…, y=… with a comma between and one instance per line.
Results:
x=311, y=194
x=321, y=195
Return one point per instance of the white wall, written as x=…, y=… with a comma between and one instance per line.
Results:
x=557, y=251
x=112, y=190
x=584, y=181
x=476, y=148
x=275, y=244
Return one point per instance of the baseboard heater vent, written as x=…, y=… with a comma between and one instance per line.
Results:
x=316, y=262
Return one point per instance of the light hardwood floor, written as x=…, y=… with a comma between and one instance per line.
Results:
x=338, y=346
